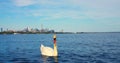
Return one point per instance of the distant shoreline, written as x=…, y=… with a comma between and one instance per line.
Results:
x=36, y=33
x=53, y=32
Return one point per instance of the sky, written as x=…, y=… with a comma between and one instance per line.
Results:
x=66, y=15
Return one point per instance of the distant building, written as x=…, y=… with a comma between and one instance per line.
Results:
x=36, y=30
x=7, y=29
x=25, y=30
x=1, y=29
x=51, y=31
x=28, y=29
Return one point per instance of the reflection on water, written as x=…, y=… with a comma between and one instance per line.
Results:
x=56, y=59
x=47, y=58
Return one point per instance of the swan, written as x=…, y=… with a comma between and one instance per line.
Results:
x=48, y=51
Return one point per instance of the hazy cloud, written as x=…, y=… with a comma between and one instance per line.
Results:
x=23, y=2
x=86, y=8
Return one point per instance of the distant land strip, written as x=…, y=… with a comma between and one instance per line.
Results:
x=53, y=32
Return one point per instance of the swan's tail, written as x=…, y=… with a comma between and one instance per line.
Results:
x=41, y=47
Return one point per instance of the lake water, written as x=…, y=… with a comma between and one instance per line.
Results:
x=72, y=48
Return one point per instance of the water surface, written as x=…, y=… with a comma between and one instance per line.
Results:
x=72, y=48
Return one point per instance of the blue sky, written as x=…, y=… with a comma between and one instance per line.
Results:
x=69, y=15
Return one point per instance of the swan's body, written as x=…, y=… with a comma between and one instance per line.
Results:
x=48, y=51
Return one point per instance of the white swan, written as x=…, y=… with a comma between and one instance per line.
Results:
x=48, y=51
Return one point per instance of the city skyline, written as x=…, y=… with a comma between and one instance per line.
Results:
x=25, y=29
x=67, y=15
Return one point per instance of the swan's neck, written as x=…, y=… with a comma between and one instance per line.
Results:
x=55, y=49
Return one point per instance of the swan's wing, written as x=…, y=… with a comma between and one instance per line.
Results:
x=46, y=50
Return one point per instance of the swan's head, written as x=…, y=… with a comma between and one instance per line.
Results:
x=54, y=38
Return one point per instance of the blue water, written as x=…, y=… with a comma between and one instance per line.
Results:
x=72, y=48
